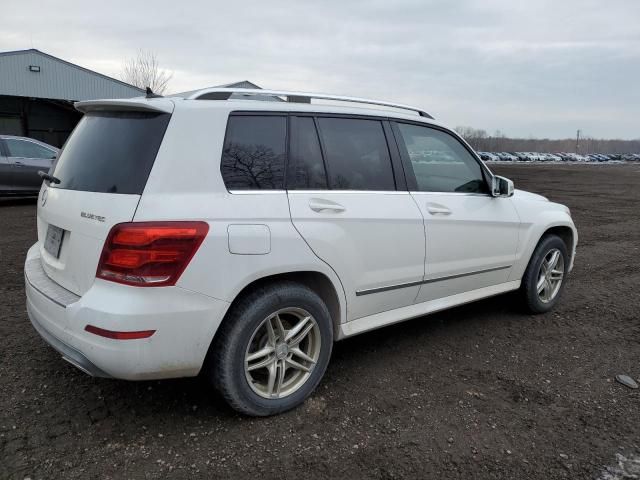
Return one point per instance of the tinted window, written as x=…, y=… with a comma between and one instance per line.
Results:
x=25, y=149
x=111, y=152
x=254, y=152
x=306, y=168
x=357, y=154
x=440, y=162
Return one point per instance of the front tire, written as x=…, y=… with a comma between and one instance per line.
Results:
x=544, y=278
x=272, y=349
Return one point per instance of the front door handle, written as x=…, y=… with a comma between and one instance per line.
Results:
x=325, y=206
x=435, y=209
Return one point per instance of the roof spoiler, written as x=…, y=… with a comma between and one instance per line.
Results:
x=134, y=104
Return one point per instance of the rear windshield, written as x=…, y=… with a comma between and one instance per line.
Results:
x=111, y=152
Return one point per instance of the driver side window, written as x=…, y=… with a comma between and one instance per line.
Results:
x=440, y=162
x=25, y=149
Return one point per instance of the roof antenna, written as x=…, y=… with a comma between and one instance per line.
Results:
x=150, y=94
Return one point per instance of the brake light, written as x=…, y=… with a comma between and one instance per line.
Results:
x=150, y=254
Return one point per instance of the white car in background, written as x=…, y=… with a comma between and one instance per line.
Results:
x=489, y=157
x=525, y=156
x=238, y=239
x=508, y=157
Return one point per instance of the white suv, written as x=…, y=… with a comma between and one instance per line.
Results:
x=238, y=238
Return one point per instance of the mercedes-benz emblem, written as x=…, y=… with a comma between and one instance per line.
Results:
x=44, y=196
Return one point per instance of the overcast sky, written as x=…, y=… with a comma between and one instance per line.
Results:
x=539, y=68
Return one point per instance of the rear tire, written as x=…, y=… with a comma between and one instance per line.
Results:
x=545, y=277
x=272, y=349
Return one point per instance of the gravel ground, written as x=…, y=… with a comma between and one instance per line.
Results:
x=481, y=391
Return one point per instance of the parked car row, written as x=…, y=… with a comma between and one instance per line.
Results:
x=556, y=157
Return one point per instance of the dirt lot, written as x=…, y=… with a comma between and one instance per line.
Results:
x=482, y=391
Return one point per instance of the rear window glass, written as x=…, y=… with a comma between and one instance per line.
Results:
x=111, y=152
x=254, y=152
x=357, y=154
x=306, y=168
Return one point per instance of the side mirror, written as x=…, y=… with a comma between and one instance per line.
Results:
x=501, y=187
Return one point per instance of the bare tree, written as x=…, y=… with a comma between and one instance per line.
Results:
x=143, y=71
x=477, y=138
x=256, y=165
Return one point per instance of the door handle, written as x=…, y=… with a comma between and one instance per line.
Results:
x=325, y=206
x=435, y=209
x=18, y=164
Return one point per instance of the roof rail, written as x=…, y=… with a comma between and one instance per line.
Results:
x=216, y=93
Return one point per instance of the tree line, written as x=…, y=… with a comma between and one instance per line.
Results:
x=481, y=141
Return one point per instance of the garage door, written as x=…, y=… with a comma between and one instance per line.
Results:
x=10, y=126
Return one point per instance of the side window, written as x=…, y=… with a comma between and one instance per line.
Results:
x=22, y=148
x=357, y=154
x=306, y=168
x=254, y=152
x=440, y=162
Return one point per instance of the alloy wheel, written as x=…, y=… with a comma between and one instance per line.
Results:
x=282, y=353
x=550, y=275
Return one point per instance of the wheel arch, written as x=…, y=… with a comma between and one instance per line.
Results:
x=566, y=235
x=530, y=238
x=565, y=231
x=316, y=281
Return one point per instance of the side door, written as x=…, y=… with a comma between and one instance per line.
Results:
x=349, y=201
x=6, y=169
x=471, y=236
x=28, y=158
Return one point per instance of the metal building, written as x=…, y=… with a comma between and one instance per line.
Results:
x=37, y=91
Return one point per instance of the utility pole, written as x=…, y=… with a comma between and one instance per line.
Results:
x=578, y=141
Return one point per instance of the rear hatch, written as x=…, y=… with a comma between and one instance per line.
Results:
x=103, y=169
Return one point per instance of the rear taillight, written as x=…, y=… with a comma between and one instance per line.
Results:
x=150, y=254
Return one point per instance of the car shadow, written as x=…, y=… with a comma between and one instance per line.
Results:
x=464, y=318
x=148, y=401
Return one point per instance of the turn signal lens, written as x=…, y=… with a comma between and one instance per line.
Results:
x=150, y=254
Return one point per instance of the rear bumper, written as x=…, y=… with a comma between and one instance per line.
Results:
x=184, y=324
x=70, y=354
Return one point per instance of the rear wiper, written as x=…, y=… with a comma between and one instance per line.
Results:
x=46, y=176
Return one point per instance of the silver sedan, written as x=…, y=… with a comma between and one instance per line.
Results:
x=20, y=160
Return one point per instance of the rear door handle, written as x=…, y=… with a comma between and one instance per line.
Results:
x=435, y=209
x=325, y=206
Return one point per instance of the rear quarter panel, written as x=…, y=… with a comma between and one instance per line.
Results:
x=186, y=184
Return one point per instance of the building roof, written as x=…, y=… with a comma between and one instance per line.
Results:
x=32, y=73
x=245, y=84
x=241, y=84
